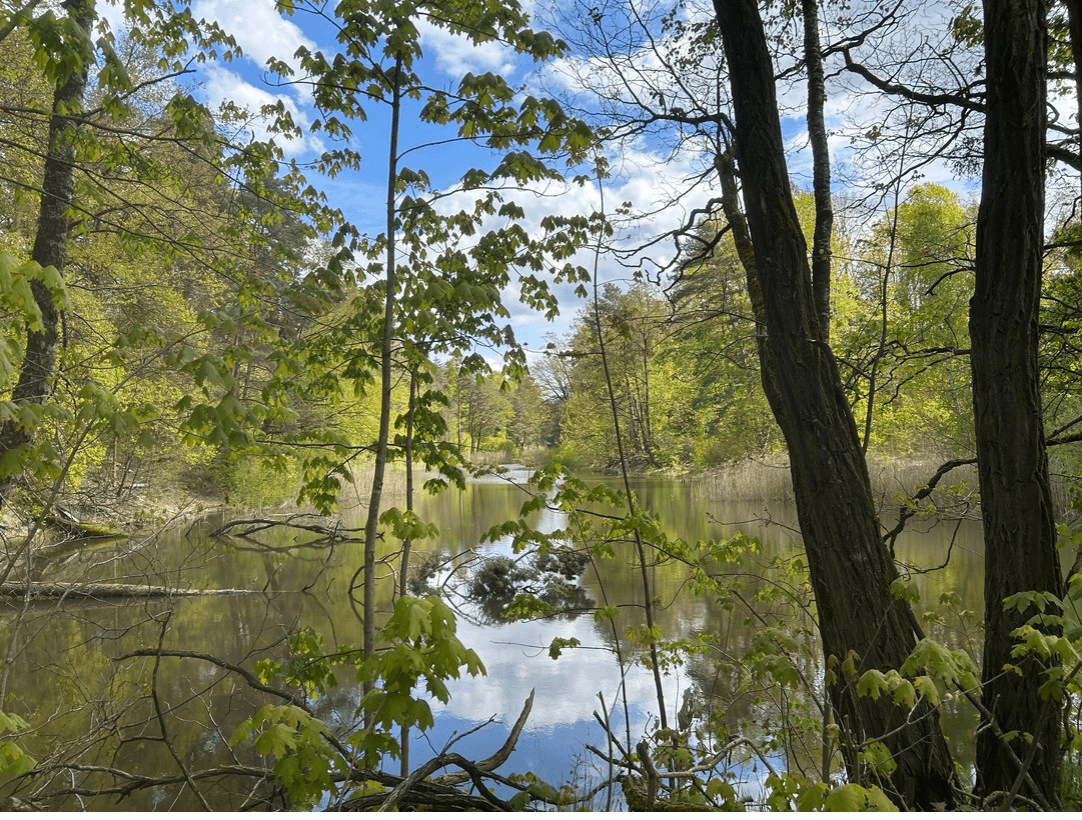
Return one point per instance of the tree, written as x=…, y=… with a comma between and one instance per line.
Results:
x=1019, y=523
x=903, y=342
x=426, y=252
x=529, y=418
x=484, y=408
x=69, y=70
x=157, y=281
x=860, y=620
x=714, y=351
x=632, y=322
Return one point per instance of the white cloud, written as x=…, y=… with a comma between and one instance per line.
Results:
x=657, y=186
x=260, y=31
x=220, y=85
x=113, y=14
x=456, y=55
x=566, y=688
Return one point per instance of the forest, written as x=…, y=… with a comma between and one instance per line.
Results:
x=827, y=241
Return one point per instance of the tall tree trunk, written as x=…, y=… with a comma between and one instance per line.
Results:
x=640, y=545
x=817, y=135
x=1019, y=527
x=851, y=570
x=1074, y=20
x=38, y=368
x=379, y=469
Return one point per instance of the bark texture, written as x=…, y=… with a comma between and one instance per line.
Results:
x=817, y=136
x=851, y=570
x=1019, y=527
x=38, y=368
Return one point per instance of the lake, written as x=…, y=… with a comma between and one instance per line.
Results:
x=99, y=714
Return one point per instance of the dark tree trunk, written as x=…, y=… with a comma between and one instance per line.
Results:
x=1074, y=19
x=817, y=136
x=1019, y=528
x=38, y=368
x=851, y=570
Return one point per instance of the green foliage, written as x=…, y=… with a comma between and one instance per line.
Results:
x=558, y=645
x=421, y=648
x=950, y=667
x=161, y=237
x=249, y=481
x=1051, y=634
x=902, y=589
x=788, y=790
x=876, y=757
x=853, y=797
x=13, y=759
x=305, y=762
x=900, y=324
x=684, y=368
x=308, y=666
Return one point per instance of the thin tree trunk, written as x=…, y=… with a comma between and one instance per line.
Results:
x=38, y=368
x=1019, y=524
x=817, y=135
x=640, y=547
x=1074, y=17
x=386, y=365
x=407, y=542
x=647, y=423
x=851, y=570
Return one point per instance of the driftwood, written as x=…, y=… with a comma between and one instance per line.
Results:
x=96, y=589
x=246, y=527
x=416, y=792
x=419, y=790
x=495, y=761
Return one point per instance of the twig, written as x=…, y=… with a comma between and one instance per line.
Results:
x=500, y=757
x=135, y=782
x=161, y=718
x=993, y=724
x=255, y=525
x=907, y=512
x=399, y=792
x=249, y=678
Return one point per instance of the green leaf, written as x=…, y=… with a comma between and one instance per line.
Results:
x=927, y=689
x=559, y=644
x=878, y=758
x=854, y=797
x=872, y=684
x=902, y=589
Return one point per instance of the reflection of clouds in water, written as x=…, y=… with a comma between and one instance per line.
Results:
x=511, y=474
x=516, y=658
x=517, y=661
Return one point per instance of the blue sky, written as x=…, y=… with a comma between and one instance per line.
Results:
x=649, y=171
x=263, y=33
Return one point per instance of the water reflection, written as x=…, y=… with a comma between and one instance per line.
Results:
x=75, y=679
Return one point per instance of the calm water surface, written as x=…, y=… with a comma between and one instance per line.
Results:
x=73, y=677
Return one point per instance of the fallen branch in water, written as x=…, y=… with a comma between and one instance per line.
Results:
x=419, y=790
x=495, y=761
x=416, y=791
x=253, y=525
x=42, y=589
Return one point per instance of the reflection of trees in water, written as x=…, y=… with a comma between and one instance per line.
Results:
x=108, y=726
x=494, y=583
x=98, y=711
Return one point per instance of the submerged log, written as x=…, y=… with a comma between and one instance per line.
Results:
x=246, y=527
x=71, y=526
x=103, y=589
